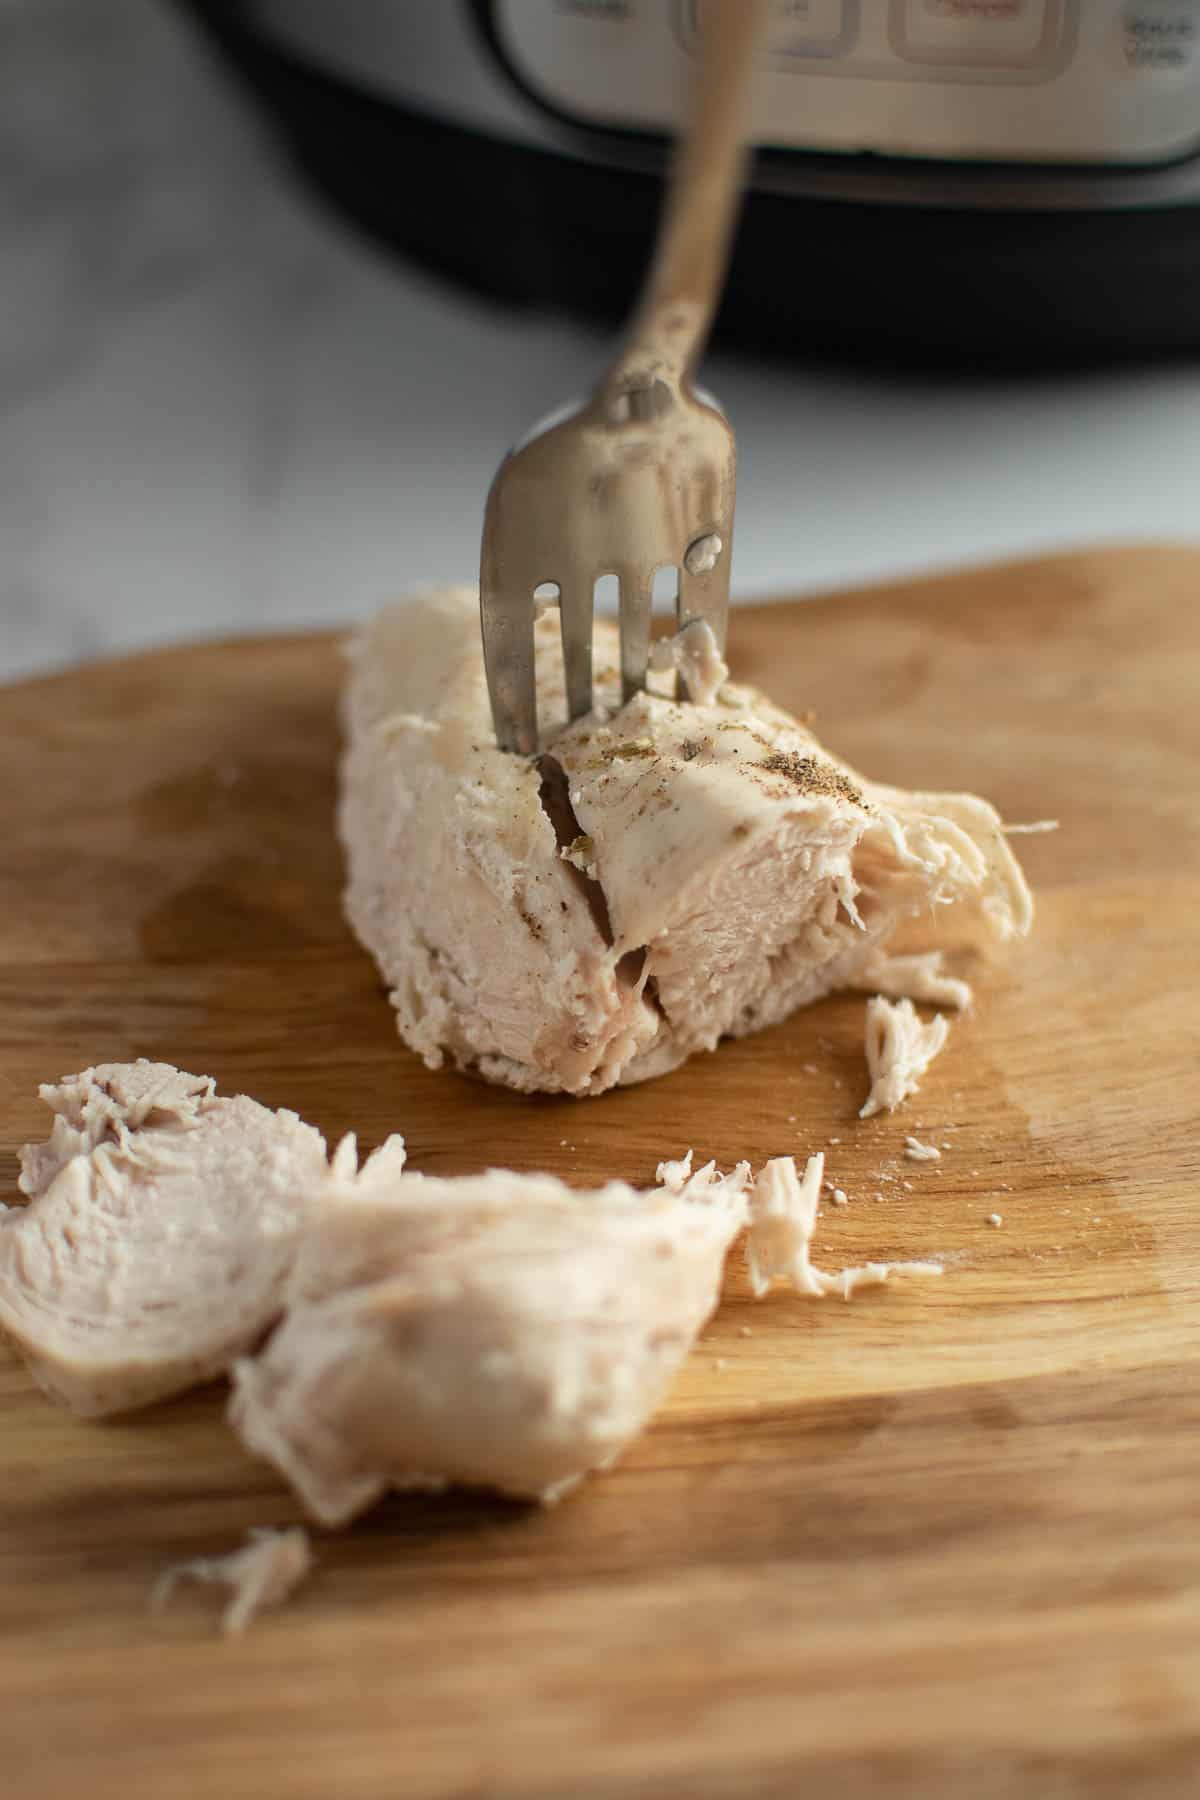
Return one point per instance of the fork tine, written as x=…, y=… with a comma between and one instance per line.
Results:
x=575, y=618
x=506, y=616
x=637, y=606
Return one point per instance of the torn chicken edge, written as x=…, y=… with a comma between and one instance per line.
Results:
x=667, y=874
x=498, y=1330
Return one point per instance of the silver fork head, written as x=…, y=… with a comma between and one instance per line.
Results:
x=627, y=485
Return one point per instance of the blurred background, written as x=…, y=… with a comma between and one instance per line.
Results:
x=282, y=281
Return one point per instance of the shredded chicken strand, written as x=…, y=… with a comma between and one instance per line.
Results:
x=262, y=1573
x=899, y=1049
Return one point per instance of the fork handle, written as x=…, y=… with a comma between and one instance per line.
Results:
x=676, y=308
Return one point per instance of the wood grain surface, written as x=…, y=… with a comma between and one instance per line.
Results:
x=940, y=1541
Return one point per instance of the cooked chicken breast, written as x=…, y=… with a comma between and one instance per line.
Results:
x=162, y=1225
x=667, y=874
x=498, y=1330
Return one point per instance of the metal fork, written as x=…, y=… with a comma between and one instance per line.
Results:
x=641, y=476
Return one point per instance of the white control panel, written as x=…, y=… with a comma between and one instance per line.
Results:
x=1068, y=81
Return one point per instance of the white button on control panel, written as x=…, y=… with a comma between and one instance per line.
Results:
x=795, y=28
x=1014, y=32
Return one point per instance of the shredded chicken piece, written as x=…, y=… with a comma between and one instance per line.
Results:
x=263, y=1573
x=674, y=1176
x=875, y=1274
x=694, y=653
x=498, y=1330
x=783, y=1218
x=916, y=1151
x=899, y=1049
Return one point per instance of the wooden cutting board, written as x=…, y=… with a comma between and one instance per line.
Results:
x=941, y=1541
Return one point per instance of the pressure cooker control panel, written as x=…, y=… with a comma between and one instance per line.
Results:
x=1070, y=81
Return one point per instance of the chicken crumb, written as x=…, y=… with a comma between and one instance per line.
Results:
x=916, y=1151
x=744, y=1331
x=263, y=1573
x=995, y=1218
x=839, y=1197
